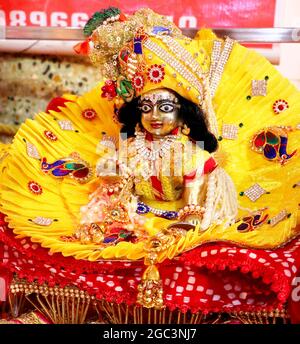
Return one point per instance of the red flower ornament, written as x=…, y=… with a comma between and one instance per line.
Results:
x=35, y=188
x=156, y=73
x=89, y=114
x=280, y=106
x=50, y=135
x=138, y=82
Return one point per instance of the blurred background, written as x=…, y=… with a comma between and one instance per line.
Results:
x=34, y=70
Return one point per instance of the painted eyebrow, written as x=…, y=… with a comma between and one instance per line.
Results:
x=158, y=102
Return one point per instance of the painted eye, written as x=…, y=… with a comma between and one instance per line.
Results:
x=145, y=108
x=166, y=108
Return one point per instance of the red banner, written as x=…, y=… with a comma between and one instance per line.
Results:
x=186, y=14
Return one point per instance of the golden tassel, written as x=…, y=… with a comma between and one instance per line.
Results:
x=150, y=290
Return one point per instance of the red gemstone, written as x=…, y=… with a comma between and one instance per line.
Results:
x=280, y=107
x=260, y=140
x=155, y=73
x=138, y=82
x=83, y=173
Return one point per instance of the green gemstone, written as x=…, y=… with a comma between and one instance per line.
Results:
x=241, y=125
x=266, y=77
x=248, y=97
x=220, y=138
x=242, y=193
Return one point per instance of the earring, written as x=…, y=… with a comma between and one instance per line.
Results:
x=185, y=130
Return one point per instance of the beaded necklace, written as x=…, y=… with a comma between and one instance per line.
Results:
x=148, y=152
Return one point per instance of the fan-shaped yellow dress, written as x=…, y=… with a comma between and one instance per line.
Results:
x=45, y=208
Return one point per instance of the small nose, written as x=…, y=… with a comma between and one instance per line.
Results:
x=155, y=112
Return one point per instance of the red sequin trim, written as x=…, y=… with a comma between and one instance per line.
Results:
x=89, y=114
x=51, y=136
x=156, y=73
x=35, y=188
x=280, y=106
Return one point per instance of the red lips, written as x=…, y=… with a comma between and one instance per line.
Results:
x=156, y=125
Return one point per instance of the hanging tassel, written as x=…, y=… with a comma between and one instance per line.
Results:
x=221, y=199
x=150, y=290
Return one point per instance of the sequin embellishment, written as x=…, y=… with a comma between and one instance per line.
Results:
x=259, y=88
x=42, y=221
x=254, y=192
x=229, y=131
x=65, y=124
x=32, y=151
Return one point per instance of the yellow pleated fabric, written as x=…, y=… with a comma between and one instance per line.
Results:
x=61, y=199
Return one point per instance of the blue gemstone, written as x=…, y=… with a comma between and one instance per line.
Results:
x=282, y=148
x=170, y=215
x=60, y=172
x=270, y=152
x=142, y=208
x=109, y=239
x=138, y=46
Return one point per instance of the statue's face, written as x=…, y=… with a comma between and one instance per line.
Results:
x=160, y=112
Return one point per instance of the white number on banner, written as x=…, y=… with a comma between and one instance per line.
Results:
x=188, y=22
x=2, y=18
x=38, y=18
x=17, y=18
x=79, y=19
x=58, y=19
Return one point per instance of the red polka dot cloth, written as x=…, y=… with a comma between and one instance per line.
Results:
x=211, y=278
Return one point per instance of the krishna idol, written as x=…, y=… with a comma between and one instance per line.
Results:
x=168, y=193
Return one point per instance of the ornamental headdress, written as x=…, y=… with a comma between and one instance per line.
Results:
x=145, y=51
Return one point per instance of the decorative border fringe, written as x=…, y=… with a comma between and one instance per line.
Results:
x=70, y=305
x=124, y=314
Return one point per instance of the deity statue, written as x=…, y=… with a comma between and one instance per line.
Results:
x=165, y=168
x=184, y=156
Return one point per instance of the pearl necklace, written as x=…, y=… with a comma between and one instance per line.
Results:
x=149, y=153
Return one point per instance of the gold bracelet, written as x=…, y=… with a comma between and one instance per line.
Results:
x=190, y=209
